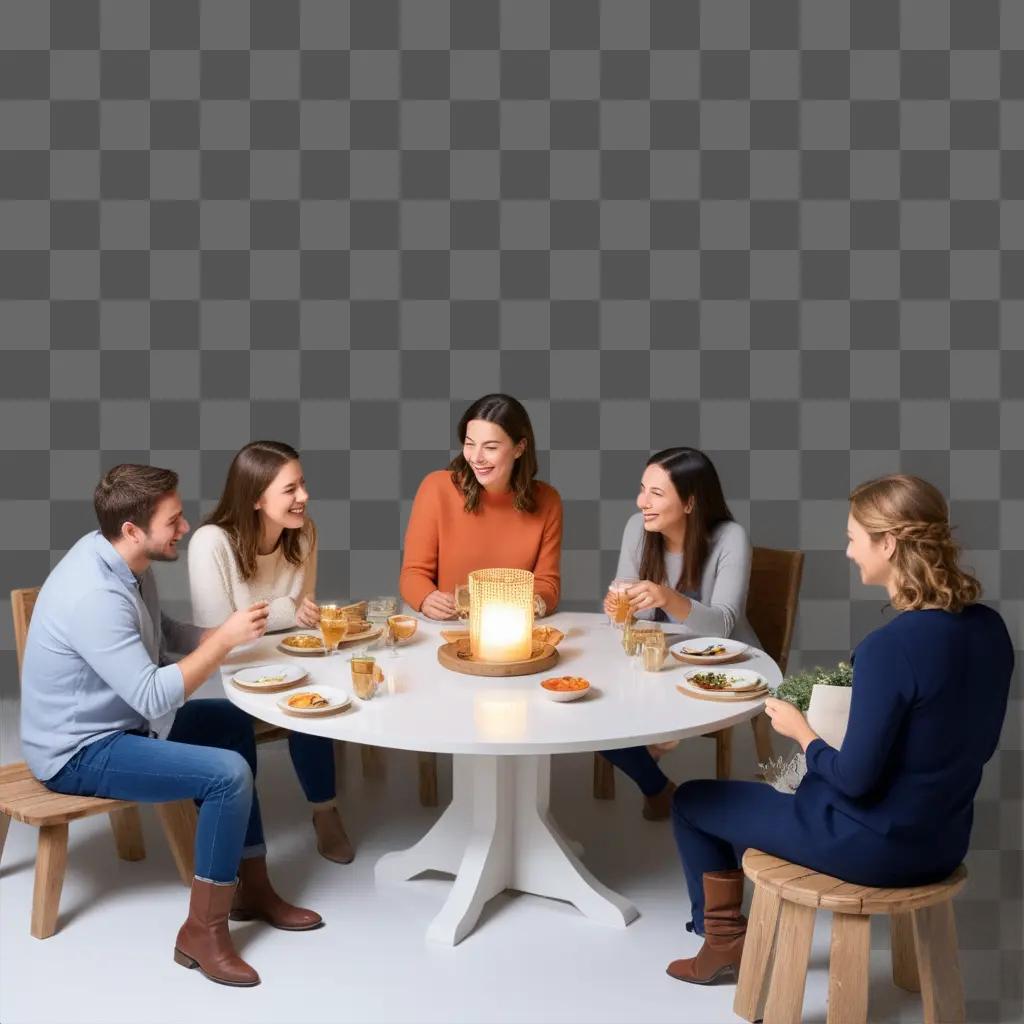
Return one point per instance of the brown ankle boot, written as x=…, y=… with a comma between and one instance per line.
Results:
x=724, y=931
x=659, y=806
x=204, y=940
x=256, y=898
x=331, y=839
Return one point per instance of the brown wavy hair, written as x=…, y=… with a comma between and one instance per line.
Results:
x=694, y=475
x=926, y=559
x=251, y=472
x=509, y=414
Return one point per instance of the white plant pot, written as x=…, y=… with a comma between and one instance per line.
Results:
x=829, y=712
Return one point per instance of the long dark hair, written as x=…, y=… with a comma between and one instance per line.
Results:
x=252, y=471
x=694, y=475
x=509, y=414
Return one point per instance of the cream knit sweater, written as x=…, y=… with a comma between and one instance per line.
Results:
x=218, y=588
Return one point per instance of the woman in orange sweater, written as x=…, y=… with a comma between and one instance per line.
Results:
x=484, y=511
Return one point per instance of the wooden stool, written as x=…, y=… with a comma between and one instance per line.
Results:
x=786, y=897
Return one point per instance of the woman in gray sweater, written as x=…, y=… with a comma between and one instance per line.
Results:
x=692, y=560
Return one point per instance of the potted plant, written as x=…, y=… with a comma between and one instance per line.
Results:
x=823, y=695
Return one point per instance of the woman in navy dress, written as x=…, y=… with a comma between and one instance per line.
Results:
x=894, y=805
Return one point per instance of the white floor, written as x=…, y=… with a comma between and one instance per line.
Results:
x=530, y=959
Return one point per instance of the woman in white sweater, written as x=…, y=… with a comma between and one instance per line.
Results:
x=692, y=560
x=258, y=544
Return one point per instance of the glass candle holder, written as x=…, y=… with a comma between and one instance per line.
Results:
x=501, y=615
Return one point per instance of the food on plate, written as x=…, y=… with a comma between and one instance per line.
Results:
x=565, y=684
x=711, y=680
x=303, y=641
x=266, y=680
x=548, y=635
x=708, y=652
x=355, y=611
x=309, y=699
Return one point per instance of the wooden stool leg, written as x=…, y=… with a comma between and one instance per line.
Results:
x=179, y=824
x=904, y=953
x=723, y=753
x=428, y=779
x=51, y=860
x=127, y=828
x=5, y=824
x=604, y=778
x=848, y=969
x=789, y=972
x=755, y=967
x=938, y=965
x=373, y=762
x=762, y=726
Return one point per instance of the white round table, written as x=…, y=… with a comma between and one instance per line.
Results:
x=498, y=832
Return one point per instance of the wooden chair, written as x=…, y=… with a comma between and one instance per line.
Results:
x=786, y=898
x=25, y=799
x=771, y=611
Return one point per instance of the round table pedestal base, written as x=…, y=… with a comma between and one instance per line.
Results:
x=497, y=834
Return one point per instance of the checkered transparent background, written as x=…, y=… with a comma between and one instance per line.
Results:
x=790, y=233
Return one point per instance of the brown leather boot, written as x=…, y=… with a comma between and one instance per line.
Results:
x=331, y=839
x=204, y=940
x=659, y=806
x=724, y=931
x=257, y=899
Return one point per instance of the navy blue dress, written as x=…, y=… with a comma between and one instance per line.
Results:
x=894, y=805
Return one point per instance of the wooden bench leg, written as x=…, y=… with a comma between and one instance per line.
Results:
x=374, y=766
x=179, y=824
x=755, y=967
x=848, y=969
x=604, y=778
x=428, y=779
x=789, y=972
x=904, y=952
x=723, y=753
x=127, y=828
x=938, y=965
x=51, y=860
x=762, y=727
x=5, y=824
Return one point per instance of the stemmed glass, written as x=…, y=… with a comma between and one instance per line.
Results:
x=333, y=626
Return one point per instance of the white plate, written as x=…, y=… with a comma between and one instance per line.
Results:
x=255, y=678
x=739, y=679
x=733, y=649
x=339, y=699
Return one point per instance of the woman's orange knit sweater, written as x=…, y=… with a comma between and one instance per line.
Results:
x=444, y=543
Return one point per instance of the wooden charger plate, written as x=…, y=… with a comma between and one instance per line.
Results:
x=455, y=656
x=725, y=698
x=704, y=663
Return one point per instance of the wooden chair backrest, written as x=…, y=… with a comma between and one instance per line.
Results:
x=22, y=603
x=772, y=599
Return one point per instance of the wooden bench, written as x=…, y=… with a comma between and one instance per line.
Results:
x=786, y=898
x=24, y=799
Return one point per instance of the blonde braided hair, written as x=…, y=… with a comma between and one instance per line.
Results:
x=926, y=560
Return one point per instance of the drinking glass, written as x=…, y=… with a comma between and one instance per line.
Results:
x=462, y=600
x=653, y=650
x=366, y=675
x=620, y=609
x=333, y=626
x=379, y=608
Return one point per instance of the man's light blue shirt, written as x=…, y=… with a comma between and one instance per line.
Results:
x=96, y=659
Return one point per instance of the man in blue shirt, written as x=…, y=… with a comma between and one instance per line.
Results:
x=96, y=682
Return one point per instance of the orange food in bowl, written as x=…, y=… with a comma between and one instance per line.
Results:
x=565, y=684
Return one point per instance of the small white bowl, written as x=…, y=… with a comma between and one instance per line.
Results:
x=563, y=696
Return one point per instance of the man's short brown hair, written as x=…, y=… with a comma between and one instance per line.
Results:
x=130, y=494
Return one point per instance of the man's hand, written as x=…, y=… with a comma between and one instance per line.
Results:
x=438, y=605
x=308, y=614
x=245, y=625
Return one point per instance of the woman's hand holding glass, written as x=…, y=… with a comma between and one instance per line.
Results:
x=645, y=595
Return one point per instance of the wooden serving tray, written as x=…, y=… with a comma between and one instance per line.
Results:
x=544, y=656
x=725, y=698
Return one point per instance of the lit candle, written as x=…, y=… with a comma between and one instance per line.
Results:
x=506, y=633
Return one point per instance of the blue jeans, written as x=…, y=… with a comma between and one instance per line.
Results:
x=313, y=760
x=638, y=764
x=209, y=756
